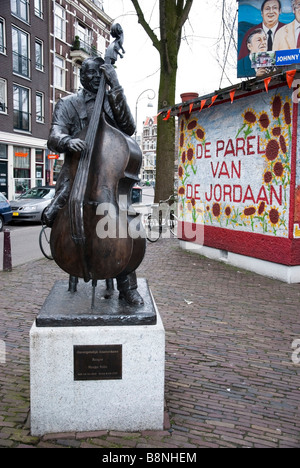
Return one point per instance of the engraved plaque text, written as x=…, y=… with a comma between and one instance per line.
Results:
x=98, y=362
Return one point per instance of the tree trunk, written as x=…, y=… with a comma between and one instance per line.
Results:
x=165, y=155
x=173, y=14
x=170, y=43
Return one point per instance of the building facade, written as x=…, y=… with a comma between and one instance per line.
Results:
x=42, y=46
x=24, y=91
x=149, y=142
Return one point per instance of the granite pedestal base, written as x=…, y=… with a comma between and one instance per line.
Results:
x=76, y=387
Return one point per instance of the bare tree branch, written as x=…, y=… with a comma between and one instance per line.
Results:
x=143, y=22
x=184, y=12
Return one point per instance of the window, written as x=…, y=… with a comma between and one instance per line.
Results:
x=39, y=55
x=38, y=8
x=59, y=73
x=3, y=151
x=101, y=44
x=98, y=3
x=40, y=114
x=20, y=45
x=39, y=155
x=3, y=96
x=21, y=168
x=60, y=23
x=21, y=108
x=20, y=9
x=2, y=37
x=76, y=74
x=39, y=167
x=85, y=37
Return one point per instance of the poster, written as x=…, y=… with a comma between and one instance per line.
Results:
x=235, y=173
x=268, y=36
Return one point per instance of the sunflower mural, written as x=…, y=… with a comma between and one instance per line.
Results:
x=191, y=134
x=268, y=121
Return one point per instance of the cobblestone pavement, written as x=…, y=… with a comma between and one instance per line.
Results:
x=230, y=378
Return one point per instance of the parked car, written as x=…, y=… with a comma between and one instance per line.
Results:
x=31, y=205
x=5, y=211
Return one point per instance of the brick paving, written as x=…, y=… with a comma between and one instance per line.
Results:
x=230, y=380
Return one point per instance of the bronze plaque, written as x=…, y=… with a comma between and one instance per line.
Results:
x=98, y=362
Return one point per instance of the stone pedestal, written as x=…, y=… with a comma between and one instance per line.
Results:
x=96, y=377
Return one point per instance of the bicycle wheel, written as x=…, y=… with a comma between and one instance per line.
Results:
x=153, y=229
x=44, y=241
x=173, y=224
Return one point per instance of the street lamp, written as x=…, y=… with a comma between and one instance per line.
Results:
x=149, y=105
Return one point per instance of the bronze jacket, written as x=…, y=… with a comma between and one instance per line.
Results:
x=70, y=117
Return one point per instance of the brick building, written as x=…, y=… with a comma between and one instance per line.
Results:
x=149, y=142
x=42, y=46
x=24, y=90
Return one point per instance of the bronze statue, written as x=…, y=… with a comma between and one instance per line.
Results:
x=102, y=162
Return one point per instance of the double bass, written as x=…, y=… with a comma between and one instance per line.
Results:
x=101, y=179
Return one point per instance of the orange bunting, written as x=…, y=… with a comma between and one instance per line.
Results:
x=290, y=77
x=213, y=100
x=267, y=82
x=180, y=109
x=202, y=104
x=168, y=115
x=191, y=107
x=232, y=93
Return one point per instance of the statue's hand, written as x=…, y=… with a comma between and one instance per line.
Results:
x=110, y=75
x=76, y=145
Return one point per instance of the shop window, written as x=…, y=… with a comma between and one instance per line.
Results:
x=39, y=174
x=39, y=155
x=21, y=169
x=39, y=167
x=3, y=151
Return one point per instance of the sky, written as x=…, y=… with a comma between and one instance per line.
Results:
x=198, y=69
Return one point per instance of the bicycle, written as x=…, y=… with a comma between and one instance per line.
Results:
x=162, y=219
x=44, y=242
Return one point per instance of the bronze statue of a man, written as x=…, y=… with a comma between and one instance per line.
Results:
x=71, y=115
